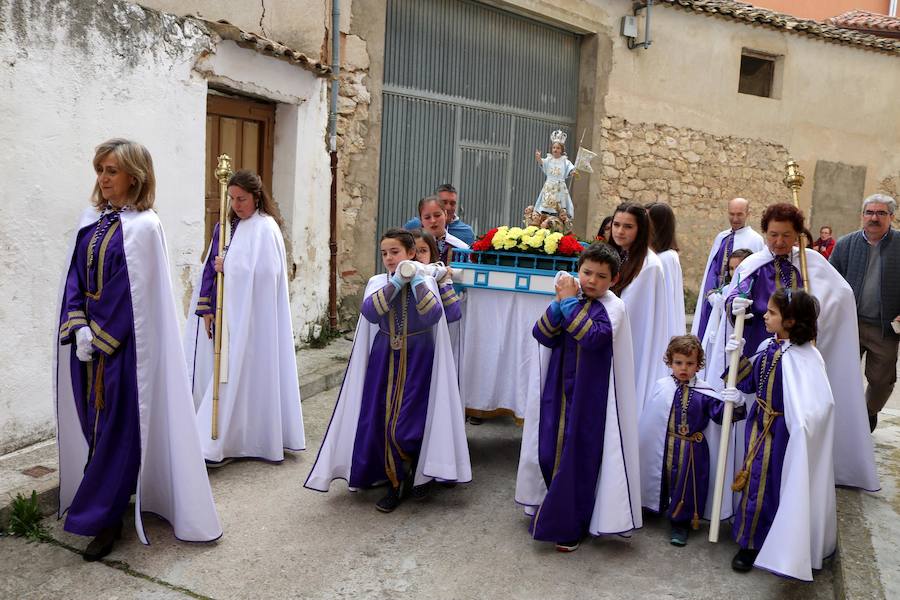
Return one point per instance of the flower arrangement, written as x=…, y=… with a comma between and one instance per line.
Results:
x=528, y=239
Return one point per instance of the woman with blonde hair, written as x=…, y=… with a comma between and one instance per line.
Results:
x=124, y=418
x=259, y=412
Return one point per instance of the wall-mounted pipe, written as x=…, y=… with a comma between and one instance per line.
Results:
x=332, y=148
x=892, y=10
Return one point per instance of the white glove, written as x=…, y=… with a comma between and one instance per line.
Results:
x=740, y=305
x=715, y=299
x=562, y=274
x=734, y=344
x=83, y=348
x=406, y=270
x=733, y=396
x=436, y=270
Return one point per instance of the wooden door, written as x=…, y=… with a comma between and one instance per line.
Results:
x=244, y=130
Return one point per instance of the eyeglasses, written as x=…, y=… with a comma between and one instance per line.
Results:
x=876, y=213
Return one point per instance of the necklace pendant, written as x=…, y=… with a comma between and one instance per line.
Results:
x=683, y=429
x=396, y=342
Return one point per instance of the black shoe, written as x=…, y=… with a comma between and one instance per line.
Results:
x=475, y=420
x=873, y=421
x=102, y=545
x=390, y=502
x=678, y=536
x=215, y=464
x=420, y=492
x=744, y=559
x=568, y=546
x=448, y=484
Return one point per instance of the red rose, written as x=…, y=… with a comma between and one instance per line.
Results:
x=569, y=246
x=484, y=242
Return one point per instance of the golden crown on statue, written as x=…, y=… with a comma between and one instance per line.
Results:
x=558, y=136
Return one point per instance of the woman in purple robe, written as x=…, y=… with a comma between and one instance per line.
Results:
x=398, y=375
x=781, y=225
x=116, y=258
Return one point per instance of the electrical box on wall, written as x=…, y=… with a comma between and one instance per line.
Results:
x=629, y=26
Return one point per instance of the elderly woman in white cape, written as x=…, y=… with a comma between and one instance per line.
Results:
x=778, y=266
x=125, y=422
x=259, y=408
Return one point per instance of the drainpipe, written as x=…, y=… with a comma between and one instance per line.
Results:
x=892, y=11
x=332, y=148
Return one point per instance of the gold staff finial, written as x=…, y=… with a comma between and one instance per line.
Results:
x=793, y=177
x=223, y=169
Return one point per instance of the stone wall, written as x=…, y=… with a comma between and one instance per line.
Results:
x=693, y=171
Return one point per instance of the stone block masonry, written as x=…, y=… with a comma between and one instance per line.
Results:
x=693, y=171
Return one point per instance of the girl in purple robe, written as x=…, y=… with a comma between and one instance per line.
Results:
x=427, y=253
x=573, y=405
x=791, y=316
x=676, y=462
x=398, y=376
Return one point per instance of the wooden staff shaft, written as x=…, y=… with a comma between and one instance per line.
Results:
x=718, y=490
x=223, y=173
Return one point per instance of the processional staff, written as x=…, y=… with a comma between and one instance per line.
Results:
x=793, y=179
x=223, y=174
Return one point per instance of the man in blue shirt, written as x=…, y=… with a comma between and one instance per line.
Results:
x=455, y=226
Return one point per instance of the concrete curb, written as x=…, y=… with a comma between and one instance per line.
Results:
x=856, y=574
x=324, y=377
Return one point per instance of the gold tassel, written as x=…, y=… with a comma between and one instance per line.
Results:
x=695, y=522
x=678, y=508
x=98, y=384
x=740, y=481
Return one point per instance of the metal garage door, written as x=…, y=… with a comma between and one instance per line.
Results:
x=470, y=92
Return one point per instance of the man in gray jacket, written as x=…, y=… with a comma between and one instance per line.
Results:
x=869, y=259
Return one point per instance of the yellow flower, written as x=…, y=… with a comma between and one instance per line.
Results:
x=551, y=243
x=532, y=229
x=499, y=239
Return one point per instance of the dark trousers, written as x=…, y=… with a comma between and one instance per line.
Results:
x=881, y=364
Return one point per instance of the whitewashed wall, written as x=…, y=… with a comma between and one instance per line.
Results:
x=72, y=76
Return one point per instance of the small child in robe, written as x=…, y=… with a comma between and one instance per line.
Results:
x=427, y=253
x=674, y=426
x=585, y=464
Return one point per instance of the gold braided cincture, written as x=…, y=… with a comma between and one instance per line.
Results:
x=223, y=173
x=793, y=179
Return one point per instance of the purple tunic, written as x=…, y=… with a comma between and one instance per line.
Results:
x=98, y=295
x=685, y=479
x=452, y=308
x=397, y=384
x=572, y=417
x=206, y=301
x=715, y=279
x=765, y=443
x=759, y=287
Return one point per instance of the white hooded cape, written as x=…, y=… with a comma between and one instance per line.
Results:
x=854, y=454
x=617, y=504
x=648, y=312
x=259, y=405
x=745, y=237
x=445, y=451
x=652, y=429
x=172, y=480
x=804, y=531
x=674, y=292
